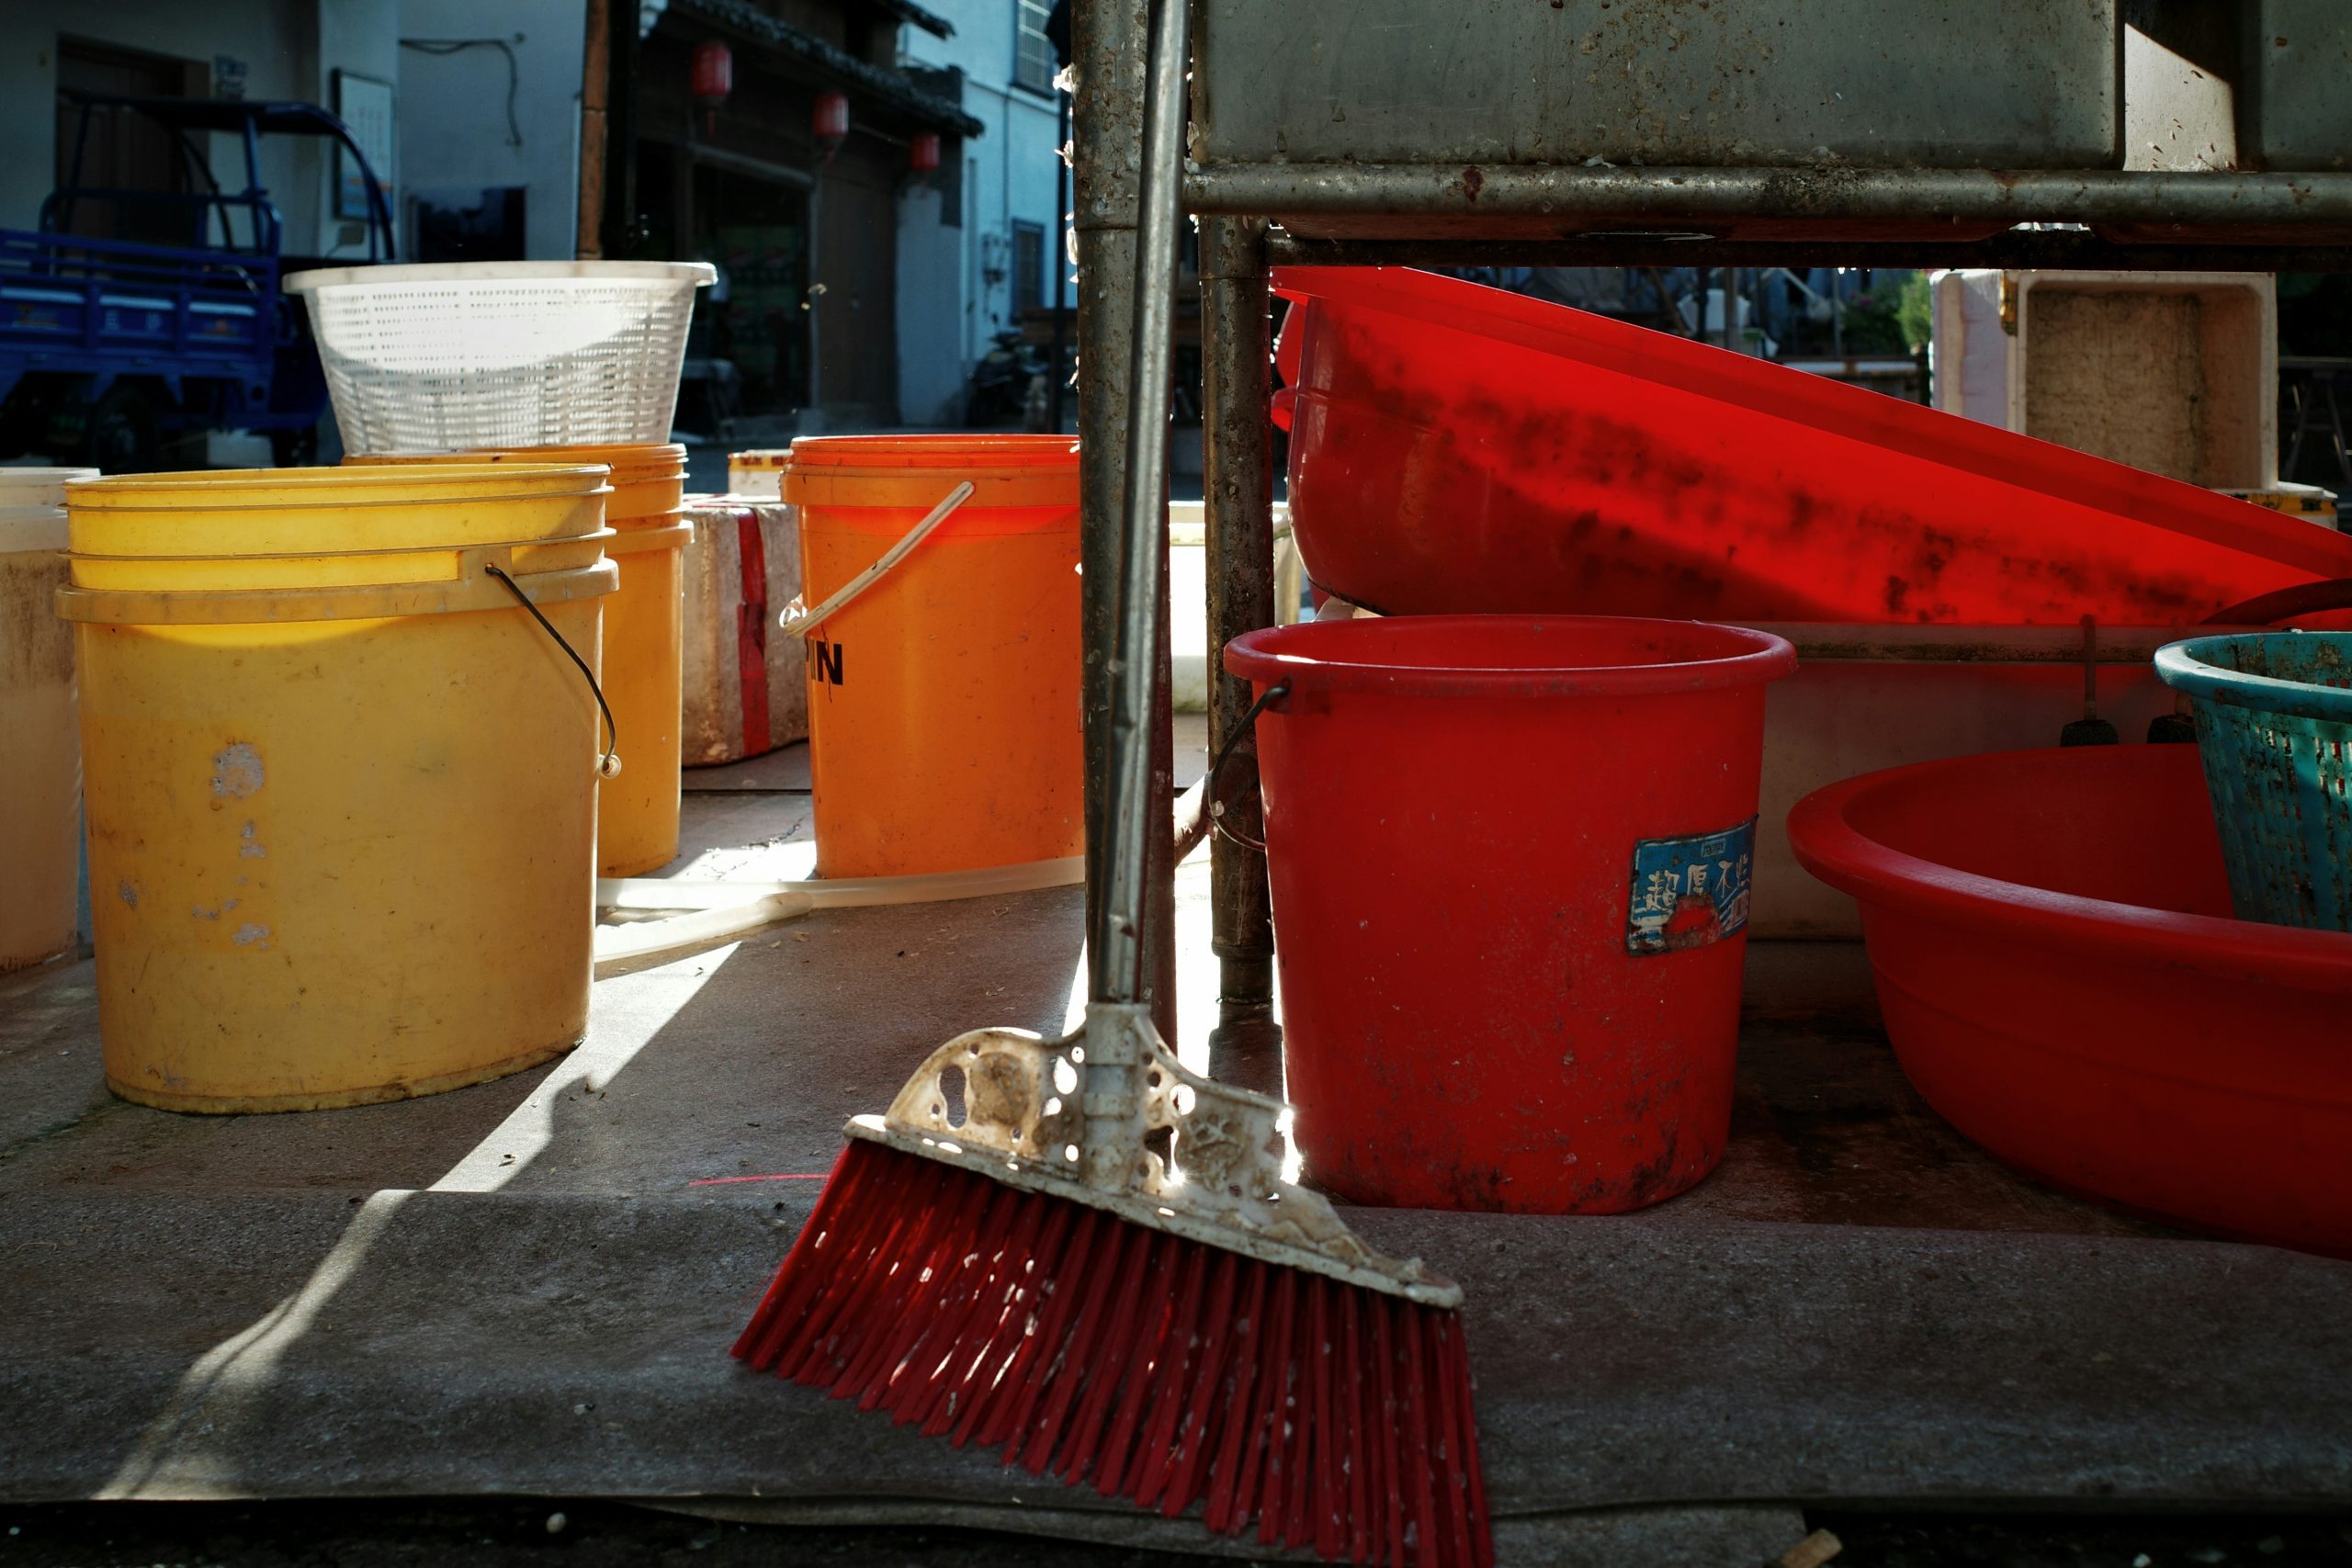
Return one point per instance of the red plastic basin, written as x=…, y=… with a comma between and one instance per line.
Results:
x=1459, y=449
x=2060, y=976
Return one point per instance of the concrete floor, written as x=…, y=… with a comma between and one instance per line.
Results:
x=528, y=1288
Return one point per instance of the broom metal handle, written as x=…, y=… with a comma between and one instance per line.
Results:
x=1115, y=1049
x=1119, y=917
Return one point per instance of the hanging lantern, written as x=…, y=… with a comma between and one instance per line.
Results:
x=830, y=122
x=714, y=78
x=923, y=153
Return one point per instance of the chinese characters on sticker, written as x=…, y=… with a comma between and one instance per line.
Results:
x=1690, y=892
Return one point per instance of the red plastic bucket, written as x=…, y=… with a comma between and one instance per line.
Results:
x=1510, y=858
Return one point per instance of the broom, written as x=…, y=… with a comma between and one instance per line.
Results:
x=1082, y=1252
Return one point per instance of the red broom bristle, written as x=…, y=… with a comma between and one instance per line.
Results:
x=1164, y=1371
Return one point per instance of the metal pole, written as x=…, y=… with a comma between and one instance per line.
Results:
x=1107, y=128
x=620, y=131
x=1401, y=198
x=1060, y=262
x=1108, y=63
x=595, y=87
x=1137, y=815
x=1238, y=490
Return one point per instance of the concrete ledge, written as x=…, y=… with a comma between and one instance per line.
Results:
x=468, y=1344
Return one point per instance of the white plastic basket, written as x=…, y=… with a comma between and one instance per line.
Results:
x=465, y=354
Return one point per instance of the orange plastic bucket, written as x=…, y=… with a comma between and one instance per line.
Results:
x=944, y=707
x=637, y=810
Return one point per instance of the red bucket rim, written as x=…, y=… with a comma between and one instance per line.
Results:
x=1748, y=658
x=945, y=452
x=1829, y=846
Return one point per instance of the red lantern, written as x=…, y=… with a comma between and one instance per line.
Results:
x=832, y=120
x=923, y=153
x=714, y=78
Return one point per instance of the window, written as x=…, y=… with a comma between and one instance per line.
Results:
x=1032, y=62
x=1028, y=265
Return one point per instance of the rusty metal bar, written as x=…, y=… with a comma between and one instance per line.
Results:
x=2040, y=248
x=595, y=88
x=1106, y=121
x=1574, y=200
x=1238, y=495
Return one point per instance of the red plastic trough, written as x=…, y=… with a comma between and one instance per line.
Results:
x=2060, y=976
x=1458, y=449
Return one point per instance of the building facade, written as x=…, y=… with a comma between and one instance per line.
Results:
x=985, y=244
x=320, y=51
x=863, y=273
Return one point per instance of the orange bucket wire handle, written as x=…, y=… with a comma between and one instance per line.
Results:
x=798, y=621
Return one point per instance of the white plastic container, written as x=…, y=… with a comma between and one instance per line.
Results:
x=1188, y=604
x=1869, y=697
x=465, y=354
x=40, y=762
x=758, y=474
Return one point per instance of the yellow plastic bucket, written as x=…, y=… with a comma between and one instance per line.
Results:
x=340, y=786
x=41, y=768
x=944, y=726
x=637, y=810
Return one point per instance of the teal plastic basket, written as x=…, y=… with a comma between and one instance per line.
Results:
x=2274, y=728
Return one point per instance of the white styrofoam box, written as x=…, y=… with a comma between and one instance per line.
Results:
x=742, y=682
x=2174, y=372
x=1865, y=698
x=2309, y=502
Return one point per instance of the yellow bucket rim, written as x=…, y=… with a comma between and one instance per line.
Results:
x=601, y=538
x=632, y=462
x=318, y=489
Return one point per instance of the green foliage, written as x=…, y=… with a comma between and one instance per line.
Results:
x=1915, y=312
x=1894, y=318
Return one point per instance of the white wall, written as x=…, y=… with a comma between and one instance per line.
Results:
x=360, y=36
x=932, y=362
x=290, y=48
x=454, y=131
x=1009, y=175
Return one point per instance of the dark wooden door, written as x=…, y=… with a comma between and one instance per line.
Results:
x=857, y=268
x=123, y=150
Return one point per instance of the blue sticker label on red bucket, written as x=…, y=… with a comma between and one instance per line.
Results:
x=1690, y=892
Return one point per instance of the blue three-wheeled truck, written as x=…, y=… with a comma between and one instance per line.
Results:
x=110, y=350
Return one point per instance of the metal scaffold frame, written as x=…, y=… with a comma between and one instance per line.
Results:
x=1323, y=204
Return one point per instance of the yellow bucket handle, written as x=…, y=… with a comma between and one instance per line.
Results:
x=799, y=622
x=609, y=766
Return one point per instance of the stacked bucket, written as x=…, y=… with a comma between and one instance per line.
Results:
x=636, y=812
x=358, y=740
